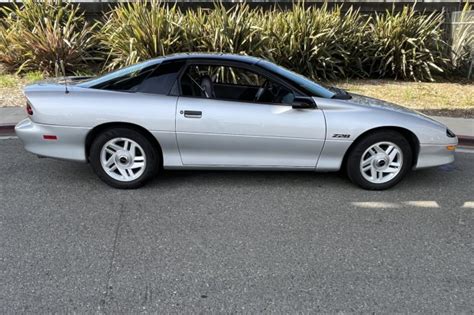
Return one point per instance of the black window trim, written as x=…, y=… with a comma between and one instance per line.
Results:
x=236, y=64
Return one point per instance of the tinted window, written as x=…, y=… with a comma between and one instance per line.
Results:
x=146, y=77
x=161, y=79
x=116, y=76
x=232, y=83
x=128, y=81
x=299, y=80
x=235, y=76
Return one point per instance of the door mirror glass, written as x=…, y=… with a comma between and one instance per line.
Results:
x=288, y=98
x=303, y=103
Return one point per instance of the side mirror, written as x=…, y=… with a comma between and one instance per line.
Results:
x=303, y=103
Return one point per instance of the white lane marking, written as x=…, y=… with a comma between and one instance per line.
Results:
x=8, y=137
x=412, y=203
x=468, y=204
x=386, y=205
x=376, y=204
x=422, y=204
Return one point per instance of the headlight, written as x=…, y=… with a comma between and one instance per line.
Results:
x=449, y=133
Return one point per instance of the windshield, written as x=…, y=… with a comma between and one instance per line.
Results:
x=314, y=88
x=126, y=72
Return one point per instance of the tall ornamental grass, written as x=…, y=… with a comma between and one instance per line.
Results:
x=407, y=44
x=322, y=43
x=44, y=36
x=237, y=30
x=462, y=47
x=137, y=31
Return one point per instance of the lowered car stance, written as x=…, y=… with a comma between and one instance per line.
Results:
x=220, y=111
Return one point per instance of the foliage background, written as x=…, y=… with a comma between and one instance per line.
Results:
x=322, y=43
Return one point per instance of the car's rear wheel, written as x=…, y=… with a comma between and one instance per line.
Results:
x=123, y=158
x=379, y=160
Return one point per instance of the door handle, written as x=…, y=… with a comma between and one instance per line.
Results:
x=192, y=114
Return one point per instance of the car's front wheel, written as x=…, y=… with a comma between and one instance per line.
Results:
x=123, y=158
x=379, y=160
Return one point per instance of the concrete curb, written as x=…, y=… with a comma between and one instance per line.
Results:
x=463, y=140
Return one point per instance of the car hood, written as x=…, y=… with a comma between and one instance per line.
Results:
x=377, y=103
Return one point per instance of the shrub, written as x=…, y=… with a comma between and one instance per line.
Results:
x=462, y=46
x=352, y=34
x=138, y=31
x=307, y=41
x=321, y=43
x=318, y=42
x=407, y=45
x=42, y=35
x=11, y=54
x=236, y=30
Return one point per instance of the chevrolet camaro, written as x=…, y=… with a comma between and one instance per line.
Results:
x=221, y=111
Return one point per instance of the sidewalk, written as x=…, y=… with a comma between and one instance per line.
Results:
x=10, y=116
x=460, y=126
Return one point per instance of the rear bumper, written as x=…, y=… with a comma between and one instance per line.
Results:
x=69, y=145
x=435, y=155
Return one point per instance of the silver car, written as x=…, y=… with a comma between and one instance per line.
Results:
x=220, y=111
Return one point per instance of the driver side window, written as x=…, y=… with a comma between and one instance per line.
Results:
x=232, y=83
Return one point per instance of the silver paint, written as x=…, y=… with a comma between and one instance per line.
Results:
x=248, y=134
x=228, y=135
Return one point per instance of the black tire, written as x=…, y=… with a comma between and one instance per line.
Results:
x=152, y=157
x=355, y=155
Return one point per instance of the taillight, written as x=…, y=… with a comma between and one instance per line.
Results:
x=29, y=110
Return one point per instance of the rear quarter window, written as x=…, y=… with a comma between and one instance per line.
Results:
x=152, y=79
x=162, y=79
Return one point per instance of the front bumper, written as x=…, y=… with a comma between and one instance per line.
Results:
x=435, y=155
x=69, y=145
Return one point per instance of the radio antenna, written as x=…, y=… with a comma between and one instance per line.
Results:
x=63, y=69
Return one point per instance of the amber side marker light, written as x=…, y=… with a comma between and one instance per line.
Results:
x=451, y=147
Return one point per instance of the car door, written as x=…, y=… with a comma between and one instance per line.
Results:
x=229, y=132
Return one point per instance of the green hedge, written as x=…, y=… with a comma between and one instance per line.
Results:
x=321, y=43
x=44, y=35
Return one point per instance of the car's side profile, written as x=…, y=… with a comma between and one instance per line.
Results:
x=218, y=111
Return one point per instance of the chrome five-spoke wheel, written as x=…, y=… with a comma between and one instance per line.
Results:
x=381, y=162
x=123, y=159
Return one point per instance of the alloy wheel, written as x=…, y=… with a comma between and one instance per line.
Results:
x=123, y=159
x=381, y=162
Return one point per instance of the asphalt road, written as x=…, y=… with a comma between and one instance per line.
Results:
x=232, y=241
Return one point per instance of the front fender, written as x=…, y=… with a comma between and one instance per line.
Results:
x=347, y=121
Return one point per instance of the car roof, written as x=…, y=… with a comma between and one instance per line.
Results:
x=212, y=56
